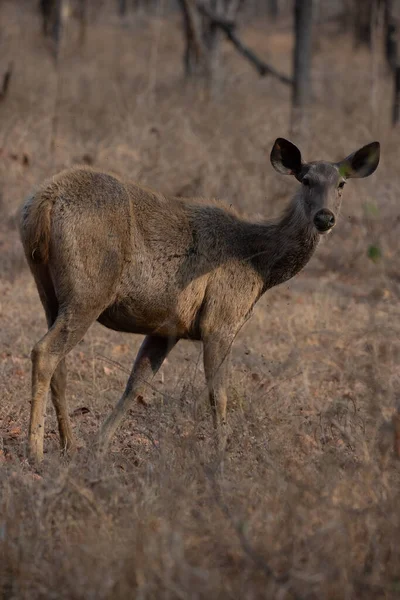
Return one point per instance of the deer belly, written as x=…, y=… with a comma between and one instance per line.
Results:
x=146, y=307
x=144, y=320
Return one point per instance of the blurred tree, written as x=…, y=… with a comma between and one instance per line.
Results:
x=396, y=97
x=55, y=12
x=194, y=49
x=201, y=24
x=51, y=11
x=212, y=35
x=392, y=55
x=273, y=8
x=303, y=21
x=82, y=13
x=46, y=9
x=390, y=35
x=122, y=7
x=203, y=27
x=362, y=19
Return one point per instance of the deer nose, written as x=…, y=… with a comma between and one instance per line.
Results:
x=324, y=220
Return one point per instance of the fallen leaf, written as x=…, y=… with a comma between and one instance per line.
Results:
x=120, y=349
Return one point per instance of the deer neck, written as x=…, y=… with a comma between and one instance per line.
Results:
x=283, y=247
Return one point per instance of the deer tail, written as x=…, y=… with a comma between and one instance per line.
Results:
x=35, y=223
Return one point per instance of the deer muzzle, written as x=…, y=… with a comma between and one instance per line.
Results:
x=324, y=220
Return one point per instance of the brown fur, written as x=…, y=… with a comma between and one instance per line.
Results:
x=101, y=248
x=36, y=225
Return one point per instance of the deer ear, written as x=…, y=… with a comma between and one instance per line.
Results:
x=286, y=157
x=361, y=163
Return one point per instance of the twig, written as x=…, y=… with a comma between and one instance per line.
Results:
x=87, y=495
x=228, y=27
x=113, y=362
x=6, y=81
x=277, y=383
x=145, y=382
x=247, y=548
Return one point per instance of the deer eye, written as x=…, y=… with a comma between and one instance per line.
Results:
x=341, y=185
x=305, y=181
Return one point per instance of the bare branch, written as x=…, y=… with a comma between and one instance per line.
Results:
x=258, y=560
x=228, y=27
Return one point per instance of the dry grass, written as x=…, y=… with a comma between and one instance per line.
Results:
x=307, y=503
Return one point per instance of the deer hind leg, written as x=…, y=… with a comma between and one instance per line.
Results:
x=58, y=386
x=217, y=350
x=58, y=382
x=151, y=355
x=67, y=330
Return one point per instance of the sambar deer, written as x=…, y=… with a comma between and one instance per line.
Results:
x=101, y=248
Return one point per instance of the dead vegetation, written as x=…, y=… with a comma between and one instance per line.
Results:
x=307, y=504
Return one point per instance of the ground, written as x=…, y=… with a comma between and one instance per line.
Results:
x=306, y=504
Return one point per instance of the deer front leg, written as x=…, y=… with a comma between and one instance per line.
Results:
x=151, y=355
x=217, y=351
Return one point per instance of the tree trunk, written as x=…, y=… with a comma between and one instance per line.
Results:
x=194, y=51
x=122, y=8
x=56, y=30
x=52, y=20
x=303, y=17
x=212, y=37
x=364, y=20
x=203, y=34
x=396, y=97
x=83, y=18
x=45, y=7
x=273, y=9
x=392, y=56
x=390, y=36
